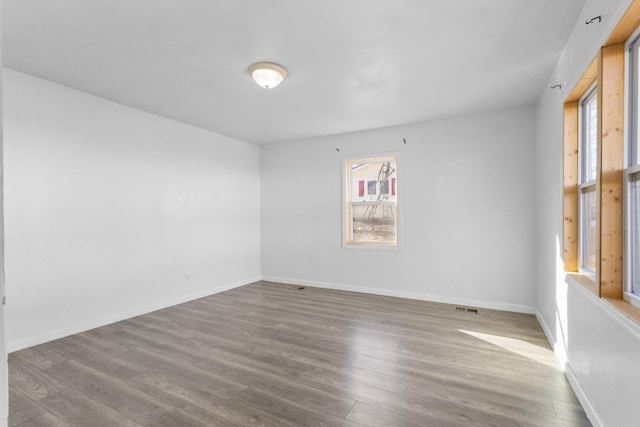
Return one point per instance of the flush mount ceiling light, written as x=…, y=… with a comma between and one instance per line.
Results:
x=267, y=74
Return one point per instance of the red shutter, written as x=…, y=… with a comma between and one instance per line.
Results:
x=360, y=188
x=393, y=186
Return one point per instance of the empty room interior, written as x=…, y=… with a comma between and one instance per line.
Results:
x=335, y=213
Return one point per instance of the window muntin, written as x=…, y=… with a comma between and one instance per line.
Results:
x=588, y=167
x=371, y=219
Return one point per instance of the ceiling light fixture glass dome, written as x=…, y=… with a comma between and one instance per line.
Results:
x=267, y=74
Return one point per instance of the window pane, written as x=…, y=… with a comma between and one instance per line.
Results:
x=634, y=233
x=372, y=213
x=384, y=188
x=374, y=223
x=371, y=188
x=590, y=138
x=634, y=149
x=588, y=236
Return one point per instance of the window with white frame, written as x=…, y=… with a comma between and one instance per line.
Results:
x=588, y=158
x=632, y=180
x=370, y=205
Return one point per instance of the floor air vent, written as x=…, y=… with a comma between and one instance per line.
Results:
x=468, y=309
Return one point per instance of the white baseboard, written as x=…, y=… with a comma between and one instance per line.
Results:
x=96, y=323
x=582, y=397
x=571, y=376
x=409, y=295
x=547, y=332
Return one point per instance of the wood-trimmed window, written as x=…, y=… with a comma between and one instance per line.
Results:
x=616, y=180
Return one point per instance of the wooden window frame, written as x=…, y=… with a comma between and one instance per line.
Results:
x=607, y=72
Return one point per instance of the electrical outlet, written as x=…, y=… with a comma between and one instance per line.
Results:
x=186, y=277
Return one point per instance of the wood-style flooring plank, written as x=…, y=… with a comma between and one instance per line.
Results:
x=23, y=408
x=198, y=401
x=181, y=418
x=272, y=355
x=76, y=409
x=376, y=416
x=109, y=391
x=109, y=361
x=31, y=381
x=291, y=411
x=45, y=420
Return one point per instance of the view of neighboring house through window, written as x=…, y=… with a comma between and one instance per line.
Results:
x=632, y=178
x=371, y=218
x=588, y=155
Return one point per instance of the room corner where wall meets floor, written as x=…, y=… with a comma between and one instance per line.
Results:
x=447, y=211
x=112, y=212
x=465, y=302
x=279, y=355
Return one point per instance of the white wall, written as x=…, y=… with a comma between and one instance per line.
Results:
x=466, y=186
x=600, y=347
x=112, y=212
x=4, y=374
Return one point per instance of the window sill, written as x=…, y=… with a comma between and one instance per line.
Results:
x=584, y=281
x=371, y=247
x=626, y=313
x=626, y=308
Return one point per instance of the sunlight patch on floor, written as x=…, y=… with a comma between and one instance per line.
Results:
x=533, y=352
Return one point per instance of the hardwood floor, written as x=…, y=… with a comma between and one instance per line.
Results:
x=275, y=355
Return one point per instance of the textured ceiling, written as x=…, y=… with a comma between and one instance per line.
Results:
x=353, y=64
